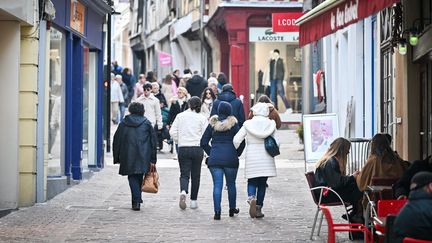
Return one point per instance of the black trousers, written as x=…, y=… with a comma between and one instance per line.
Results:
x=349, y=193
x=190, y=160
x=135, y=182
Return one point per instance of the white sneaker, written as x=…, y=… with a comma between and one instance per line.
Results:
x=182, y=202
x=289, y=111
x=193, y=204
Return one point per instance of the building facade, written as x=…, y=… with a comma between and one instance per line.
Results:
x=381, y=58
x=52, y=115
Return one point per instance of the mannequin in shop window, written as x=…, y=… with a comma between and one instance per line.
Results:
x=277, y=74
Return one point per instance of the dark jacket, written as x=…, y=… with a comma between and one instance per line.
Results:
x=279, y=73
x=236, y=104
x=222, y=152
x=415, y=218
x=161, y=98
x=125, y=93
x=196, y=85
x=130, y=82
x=134, y=145
x=175, y=109
x=401, y=187
x=330, y=175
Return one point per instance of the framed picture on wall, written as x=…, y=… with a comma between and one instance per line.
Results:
x=319, y=132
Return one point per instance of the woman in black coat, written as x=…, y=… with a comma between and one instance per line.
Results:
x=134, y=148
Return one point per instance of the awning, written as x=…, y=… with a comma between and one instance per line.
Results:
x=332, y=15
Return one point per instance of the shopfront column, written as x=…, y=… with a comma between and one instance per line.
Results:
x=74, y=106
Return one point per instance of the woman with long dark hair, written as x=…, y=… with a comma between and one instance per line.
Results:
x=207, y=99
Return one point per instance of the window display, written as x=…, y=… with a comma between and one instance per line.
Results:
x=56, y=77
x=275, y=65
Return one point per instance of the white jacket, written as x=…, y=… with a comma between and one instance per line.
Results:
x=258, y=162
x=188, y=128
x=116, y=92
x=152, y=110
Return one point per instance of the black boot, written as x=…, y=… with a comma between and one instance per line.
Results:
x=217, y=216
x=233, y=211
x=136, y=206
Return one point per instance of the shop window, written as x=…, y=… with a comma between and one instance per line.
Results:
x=275, y=68
x=55, y=112
x=388, y=100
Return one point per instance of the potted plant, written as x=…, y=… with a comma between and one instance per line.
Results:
x=299, y=131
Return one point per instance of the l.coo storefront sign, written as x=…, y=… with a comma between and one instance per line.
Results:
x=285, y=22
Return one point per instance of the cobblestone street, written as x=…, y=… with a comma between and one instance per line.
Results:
x=98, y=209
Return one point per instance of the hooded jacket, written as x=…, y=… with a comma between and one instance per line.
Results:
x=258, y=162
x=236, y=104
x=196, y=85
x=134, y=145
x=415, y=218
x=221, y=152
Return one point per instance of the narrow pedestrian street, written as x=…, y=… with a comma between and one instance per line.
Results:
x=99, y=209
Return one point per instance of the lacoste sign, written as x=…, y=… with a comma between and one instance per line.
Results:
x=262, y=34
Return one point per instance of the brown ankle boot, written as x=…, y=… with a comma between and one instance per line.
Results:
x=259, y=214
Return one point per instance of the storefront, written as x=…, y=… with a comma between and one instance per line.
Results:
x=75, y=91
x=245, y=36
x=262, y=45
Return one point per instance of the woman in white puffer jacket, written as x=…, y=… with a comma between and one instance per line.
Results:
x=259, y=164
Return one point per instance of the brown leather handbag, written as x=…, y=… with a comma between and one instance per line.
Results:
x=150, y=182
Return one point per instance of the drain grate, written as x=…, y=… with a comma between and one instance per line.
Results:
x=82, y=207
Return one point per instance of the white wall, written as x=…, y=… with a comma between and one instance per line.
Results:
x=345, y=74
x=9, y=94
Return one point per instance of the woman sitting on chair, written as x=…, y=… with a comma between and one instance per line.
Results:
x=330, y=172
x=382, y=162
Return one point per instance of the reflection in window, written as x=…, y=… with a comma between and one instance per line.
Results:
x=56, y=77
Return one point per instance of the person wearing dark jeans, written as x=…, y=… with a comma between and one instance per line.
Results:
x=135, y=182
x=134, y=148
x=257, y=186
x=186, y=131
x=259, y=165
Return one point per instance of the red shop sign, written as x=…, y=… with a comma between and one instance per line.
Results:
x=285, y=22
x=327, y=21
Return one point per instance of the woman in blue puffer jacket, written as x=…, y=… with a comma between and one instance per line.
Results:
x=223, y=156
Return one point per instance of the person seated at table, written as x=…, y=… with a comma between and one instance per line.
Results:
x=382, y=162
x=402, y=186
x=415, y=218
x=331, y=172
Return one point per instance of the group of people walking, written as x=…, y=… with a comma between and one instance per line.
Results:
x=211, y=129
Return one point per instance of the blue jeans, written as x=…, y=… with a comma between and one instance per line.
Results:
x=135, y=182
x=230, y=177
x=122, y=108
x=257, y=188
x=276, y=87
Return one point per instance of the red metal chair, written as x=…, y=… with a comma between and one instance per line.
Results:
x=317, y=199
x=412, y=240
x=333, y=228
x=385, y=208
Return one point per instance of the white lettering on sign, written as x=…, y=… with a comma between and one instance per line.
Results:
x=286, y=22
x=262, y=34
x=342, y=16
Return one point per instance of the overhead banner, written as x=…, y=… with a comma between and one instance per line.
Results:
x=318, y=24
x=165, y=59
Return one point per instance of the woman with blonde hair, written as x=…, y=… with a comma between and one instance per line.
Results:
x=331, y=172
